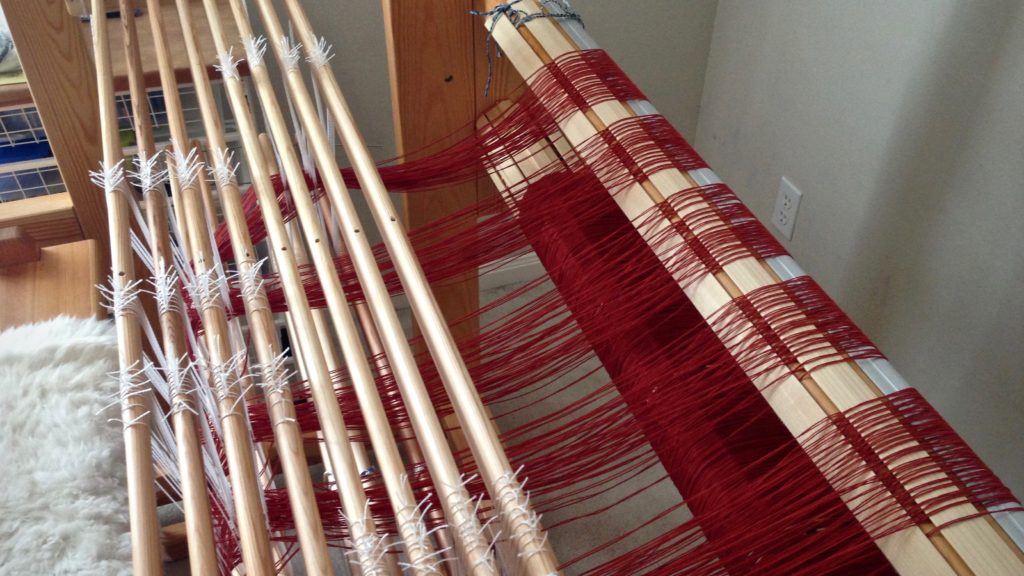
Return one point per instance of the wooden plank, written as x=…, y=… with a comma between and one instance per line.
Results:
x=60, y=73
x=63, y=281
x=175, y=541
x=17, y=247
x=14, y=95
x=433, y=79
x=48, y=219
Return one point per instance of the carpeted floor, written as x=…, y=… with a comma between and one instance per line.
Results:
x=63, y=498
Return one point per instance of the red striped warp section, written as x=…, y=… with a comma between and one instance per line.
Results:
x=557, y=236
x=762, y=501
x=696, y=454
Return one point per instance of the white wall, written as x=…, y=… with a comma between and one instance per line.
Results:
x=903, y=125
x=663, y=46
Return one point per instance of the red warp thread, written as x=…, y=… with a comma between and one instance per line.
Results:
x=608, y=384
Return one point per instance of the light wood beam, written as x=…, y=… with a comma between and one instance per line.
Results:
x=17, y=247
x=48, y=219
x=972, y=546
x=62, y=281
x=61, y=76
x=433, y=94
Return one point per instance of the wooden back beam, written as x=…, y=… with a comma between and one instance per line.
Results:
x=973, y=546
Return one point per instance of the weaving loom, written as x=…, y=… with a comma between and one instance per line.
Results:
x=670, y=345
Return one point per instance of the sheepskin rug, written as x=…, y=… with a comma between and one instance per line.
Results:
x=63, y=495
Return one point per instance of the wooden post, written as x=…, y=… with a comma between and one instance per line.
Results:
x=433, y=80
x=17, y=247
x=61, y=76
x=438, y=69
x=136, y=401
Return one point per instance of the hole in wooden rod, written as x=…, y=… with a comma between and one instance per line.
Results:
x=284, y=248
x=357, y=230
x=393, y=219
x=120, y=273
x=317, y=241
x=449, y=78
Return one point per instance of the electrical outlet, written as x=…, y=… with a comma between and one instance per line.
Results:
x=786, y=205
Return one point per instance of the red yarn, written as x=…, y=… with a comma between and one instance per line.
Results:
x=608, y=384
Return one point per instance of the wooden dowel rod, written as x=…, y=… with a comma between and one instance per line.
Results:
x=242, y=466
x=444, y=471
x=410, y=526
x=209, y=207
x=267, y=145
x=404, y=435
x=358, y=449
x=533, y=551
x=833, y=388
x=353, y=497
x=202, y=552
x=245, y=488
x=261, y=326
x=175, y=119
x=135, y=395
x=321, y=321
x=361, y=456
x=297, y=354
x=136, y=82
x=267, y=475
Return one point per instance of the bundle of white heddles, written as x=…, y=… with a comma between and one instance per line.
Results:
x=63, y=498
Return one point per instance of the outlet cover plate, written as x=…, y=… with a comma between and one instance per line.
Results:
x=787, y=203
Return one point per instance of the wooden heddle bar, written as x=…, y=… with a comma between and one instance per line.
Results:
x=667, y=392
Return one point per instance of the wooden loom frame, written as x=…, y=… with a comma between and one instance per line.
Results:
x=976, y=546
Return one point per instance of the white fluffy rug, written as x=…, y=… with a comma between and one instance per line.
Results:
x=63, y=500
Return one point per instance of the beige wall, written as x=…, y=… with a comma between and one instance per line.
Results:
x=663, y=46
x=903, y=125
